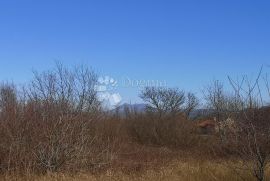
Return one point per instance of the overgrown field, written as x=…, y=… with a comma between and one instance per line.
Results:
x=56, y=128
x=189, y=170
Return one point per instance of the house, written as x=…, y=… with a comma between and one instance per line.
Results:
x=207, y=127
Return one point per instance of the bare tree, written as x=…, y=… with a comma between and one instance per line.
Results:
x=163, y=100
x=192, y=102
x=252, y=139
x=65, y=103
x=215, y=97
x=70, y=90
x=216, y=100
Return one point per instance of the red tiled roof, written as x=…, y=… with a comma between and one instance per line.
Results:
x=206, y=123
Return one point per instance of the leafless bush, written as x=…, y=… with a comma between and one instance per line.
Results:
x=165, y=123
x=70, y=90
x=175, y=132
x=54, y=125
x=192, y=102
x=15, y=139
x=224, y=106
x=62, y=142
x=252, y=137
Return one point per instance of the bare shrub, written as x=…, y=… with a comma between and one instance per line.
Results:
x=192, y=102
x=175, y=132
x=53, y=126
x=165, y=122
x=252, y=137
x=61, y=142
x=70, y=90
x=14, y=131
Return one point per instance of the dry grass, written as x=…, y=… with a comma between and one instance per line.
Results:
x=177, y=170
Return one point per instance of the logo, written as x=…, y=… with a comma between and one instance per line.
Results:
x=106, y=88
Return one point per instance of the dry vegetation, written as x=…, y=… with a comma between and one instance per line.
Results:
x=191, y=170
x=56, y=129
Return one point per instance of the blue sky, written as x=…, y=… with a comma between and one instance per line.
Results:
x=185, y=43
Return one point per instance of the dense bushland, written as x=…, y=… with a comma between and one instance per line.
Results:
x=57, y=124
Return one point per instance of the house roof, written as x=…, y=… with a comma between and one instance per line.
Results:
x=206, y=123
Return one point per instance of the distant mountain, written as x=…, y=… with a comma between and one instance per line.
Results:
x=200, y=113
x=132, y=107
x=141, y=108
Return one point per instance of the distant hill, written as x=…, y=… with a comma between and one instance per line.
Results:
x=200, y=113
x=135, y=107
x=141, y=108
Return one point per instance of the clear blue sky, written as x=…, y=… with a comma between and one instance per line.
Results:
x=185, y=43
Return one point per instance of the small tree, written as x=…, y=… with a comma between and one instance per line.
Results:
x=8, y=98
x=216, y=101
x=192, y=102
x=252, y=138
x=65, y=102
x=71, y=90
x=163, y=101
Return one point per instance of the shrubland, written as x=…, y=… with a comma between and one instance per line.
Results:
x=55, y=128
